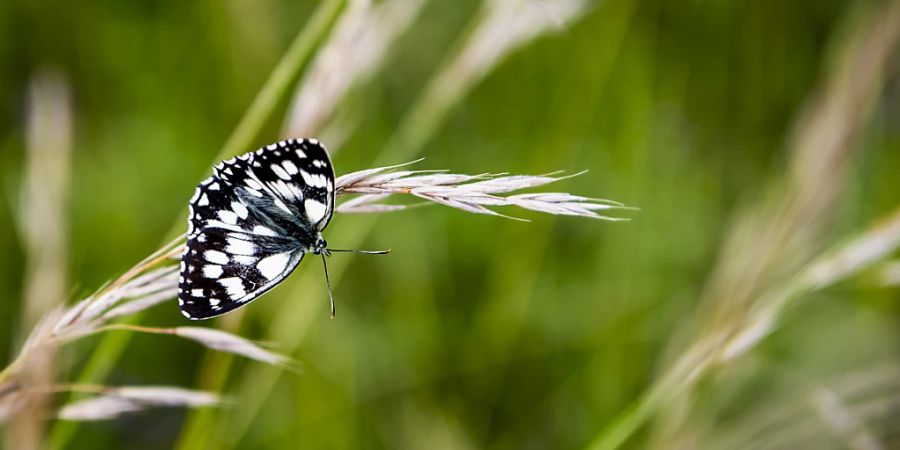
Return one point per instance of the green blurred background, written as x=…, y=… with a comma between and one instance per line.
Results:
x=481, y=332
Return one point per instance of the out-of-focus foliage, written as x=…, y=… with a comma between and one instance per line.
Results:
x=479, y=332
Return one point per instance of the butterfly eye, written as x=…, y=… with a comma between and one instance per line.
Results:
x=321, y=244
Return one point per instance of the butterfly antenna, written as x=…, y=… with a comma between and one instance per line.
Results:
x=361, y=252
x=328, y=282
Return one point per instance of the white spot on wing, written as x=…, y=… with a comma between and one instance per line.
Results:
x=282, y=188
x=298, y=193
x=212, y=271
x=204, y=200
x=253, y=183
x=234, y=286
x=215, y=256
x=224, y=226
x=280, y=172
x=315, y=210
x=240, y=209
x=240, y=247
x=197, y=293
x=290, y=168
x=301, y=154
x=263, y=231
x=228, y=217
x=314, y=180
x=245, y=260
x=272, y=266
x=307, y=178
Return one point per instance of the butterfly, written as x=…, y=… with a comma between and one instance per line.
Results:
x=251, y=223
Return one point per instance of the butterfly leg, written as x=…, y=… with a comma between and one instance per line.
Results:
x=328, y=283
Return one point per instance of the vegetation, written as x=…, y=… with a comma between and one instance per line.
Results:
x=750, y=303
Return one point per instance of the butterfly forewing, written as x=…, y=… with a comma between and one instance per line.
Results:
x=250, y=224
x=297, y=173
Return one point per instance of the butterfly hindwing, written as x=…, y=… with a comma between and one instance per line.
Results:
x=224, y=270
x=251, y=223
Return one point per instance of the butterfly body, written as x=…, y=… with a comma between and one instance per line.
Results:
x=252, y=222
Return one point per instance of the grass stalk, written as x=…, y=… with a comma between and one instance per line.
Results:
x=44, y=213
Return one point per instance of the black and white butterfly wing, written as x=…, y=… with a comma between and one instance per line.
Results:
x=251, y=223
x=296, y=172
x=218, y=278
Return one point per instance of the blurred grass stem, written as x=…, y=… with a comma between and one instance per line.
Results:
x=776, y=238
x=44, y=228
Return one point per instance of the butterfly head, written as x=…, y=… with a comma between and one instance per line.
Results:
x=320, y=247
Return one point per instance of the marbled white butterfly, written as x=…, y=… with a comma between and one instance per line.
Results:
x=251, y=222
